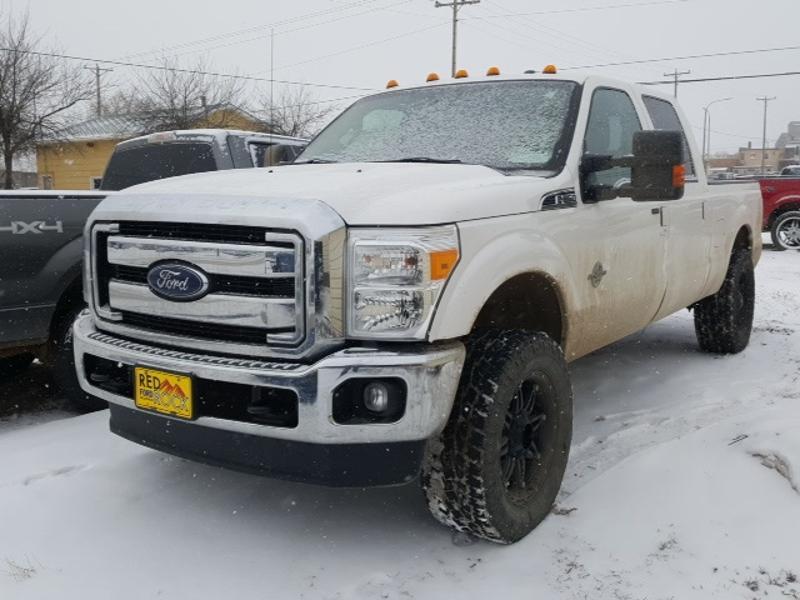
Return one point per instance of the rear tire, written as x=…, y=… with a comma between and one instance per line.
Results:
x=785, y=231
x=496, y=469
x=14, y=365
x=723, y=322
x=62, y=365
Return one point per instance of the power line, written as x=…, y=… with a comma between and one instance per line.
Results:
x=239, y=32
x=728, y=133
x=724, y=78
x=179, y=70
x=683, y=57
x=559, y=11
x=362, y=46
x=529, y=41
x=315, y=102
x=521, y=39
x=552, y=31
x=285, y=31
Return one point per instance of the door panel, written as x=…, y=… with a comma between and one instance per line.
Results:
x=687, y=234
x=688, y=251
x=629, y=244
x=620, y=266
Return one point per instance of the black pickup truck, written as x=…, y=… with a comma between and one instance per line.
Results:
x=41, y=245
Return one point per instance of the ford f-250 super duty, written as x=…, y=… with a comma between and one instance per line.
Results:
x=41, y=249
x=404, y=299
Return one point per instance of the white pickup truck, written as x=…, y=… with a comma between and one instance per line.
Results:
x=405, y=298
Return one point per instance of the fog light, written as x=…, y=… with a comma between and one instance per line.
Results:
x=376, y=397
x=362, y=400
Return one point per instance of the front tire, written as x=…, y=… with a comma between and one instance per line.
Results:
x=62, y=365
x=785, y=231
x=496, y=469
x=723, y=322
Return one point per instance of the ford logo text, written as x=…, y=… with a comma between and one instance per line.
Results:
x=177, y=282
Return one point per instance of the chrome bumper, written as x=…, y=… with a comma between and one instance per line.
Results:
x=431, y=374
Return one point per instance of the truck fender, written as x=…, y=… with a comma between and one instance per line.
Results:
x=486, y=264
x=738, y=232
x=64, y=268
x=779, y=206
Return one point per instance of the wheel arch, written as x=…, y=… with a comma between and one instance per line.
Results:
x=743, y=239
x=509, y=268
x=785, y=204
x=71, y=297
x=532, y=301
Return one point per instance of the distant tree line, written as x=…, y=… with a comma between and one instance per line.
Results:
x=39, y=94
x=36, y=93
x=176, y=97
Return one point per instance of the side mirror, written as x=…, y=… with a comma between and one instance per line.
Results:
x=657, y=169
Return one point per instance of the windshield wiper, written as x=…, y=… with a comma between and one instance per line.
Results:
x=422, y=159
x=314, y=161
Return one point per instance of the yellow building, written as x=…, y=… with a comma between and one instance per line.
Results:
x=78, y=160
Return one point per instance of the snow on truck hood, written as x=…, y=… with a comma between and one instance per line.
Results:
x=371, y=193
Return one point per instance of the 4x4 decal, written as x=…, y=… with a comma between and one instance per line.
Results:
x=21, y=227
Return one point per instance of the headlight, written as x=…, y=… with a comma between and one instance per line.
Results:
x=395, y=278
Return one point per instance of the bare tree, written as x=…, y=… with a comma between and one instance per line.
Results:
x=37, y=90
x=295, y=111
x=177, y=97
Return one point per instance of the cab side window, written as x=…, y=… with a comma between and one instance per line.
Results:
x=612, y=122
x=664, y=116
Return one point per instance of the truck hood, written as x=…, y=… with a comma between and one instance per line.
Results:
x=371, y=193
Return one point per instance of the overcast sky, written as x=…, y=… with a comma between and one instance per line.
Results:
x=362, y=43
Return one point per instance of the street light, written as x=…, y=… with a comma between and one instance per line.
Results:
x=707, y=128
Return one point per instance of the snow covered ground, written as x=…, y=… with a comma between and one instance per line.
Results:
x=684, y=483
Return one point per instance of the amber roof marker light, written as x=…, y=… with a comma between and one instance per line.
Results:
x=461, y=74
x=492, y=71
x=678, y=176
x=432, y=77
x=392, y=83
x=550, y=70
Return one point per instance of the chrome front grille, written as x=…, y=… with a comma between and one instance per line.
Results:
x=256, y=297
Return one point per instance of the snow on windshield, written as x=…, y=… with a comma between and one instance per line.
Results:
x=506, y=125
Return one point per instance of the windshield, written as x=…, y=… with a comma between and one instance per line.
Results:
x=500, y=124
x=149, y=162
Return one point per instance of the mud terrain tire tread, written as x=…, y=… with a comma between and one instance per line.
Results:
x=723, y=322
x=458, y=463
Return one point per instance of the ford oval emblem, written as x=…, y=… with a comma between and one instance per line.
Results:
x=177, y=281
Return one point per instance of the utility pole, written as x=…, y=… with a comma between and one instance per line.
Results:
x=455, y=5
x=272, y=80
x=98, y=72
x=707, y=128
x=676, y=74
x=766, y=100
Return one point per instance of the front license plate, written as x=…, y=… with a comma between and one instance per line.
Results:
x=166, y=393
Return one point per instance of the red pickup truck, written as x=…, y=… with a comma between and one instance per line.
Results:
x=781, y=196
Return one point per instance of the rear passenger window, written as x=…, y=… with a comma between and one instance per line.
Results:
x=665, y=117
